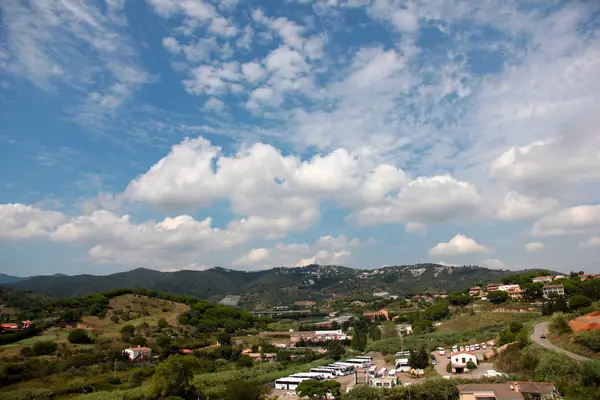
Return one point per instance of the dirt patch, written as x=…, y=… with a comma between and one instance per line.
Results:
x=588, y=322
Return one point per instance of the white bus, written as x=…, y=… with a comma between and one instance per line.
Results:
x=365, y=358
x=327, y=373
x=344, y=369
x=402, y=365
x=358, y=362
x=372, y=371
x=310, y=375
x=288, y=383
x=382, y=372
x=346, y=364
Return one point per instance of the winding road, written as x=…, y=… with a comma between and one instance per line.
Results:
x=542, y=328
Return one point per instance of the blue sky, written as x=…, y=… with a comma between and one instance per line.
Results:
x=184, y=134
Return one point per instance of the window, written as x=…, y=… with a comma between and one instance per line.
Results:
x=463, y=360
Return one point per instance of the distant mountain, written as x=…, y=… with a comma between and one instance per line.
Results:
x=9, y=279
x=273, y=286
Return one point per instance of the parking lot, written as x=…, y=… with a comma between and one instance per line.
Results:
x=482, y=367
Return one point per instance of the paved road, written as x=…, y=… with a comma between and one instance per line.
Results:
x=542, y=328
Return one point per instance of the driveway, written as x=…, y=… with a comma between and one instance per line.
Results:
x=543, y=328
x=442, y=361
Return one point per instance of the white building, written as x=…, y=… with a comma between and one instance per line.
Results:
x=405, y=329
x=138, y=353
x=542, y=279
x=459, y=362
x=559, y=290
x=381, y=294
x=506, y=288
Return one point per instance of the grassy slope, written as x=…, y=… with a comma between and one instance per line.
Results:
x=106, y=328
x=482, y=320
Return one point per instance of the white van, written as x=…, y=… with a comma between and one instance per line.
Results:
x=401, y=365
x=441, y=351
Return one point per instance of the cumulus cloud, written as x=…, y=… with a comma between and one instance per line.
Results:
x=459, y=244
x=415, y=227
x=516, y=206
x=592, y=241
x=534, y=246
x=576, y=220
x=19, y=221
x=327, y=250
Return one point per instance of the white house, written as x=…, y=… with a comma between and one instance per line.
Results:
x=559, y=290
x=138, y=353
x=542, y=279
x=506, y=288
x=459, y=362
x=405, y=329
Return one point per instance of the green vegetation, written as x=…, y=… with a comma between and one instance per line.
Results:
x=430, y=389
x=318, y=389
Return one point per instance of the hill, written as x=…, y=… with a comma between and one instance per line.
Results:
x=9, y=278
x=274, y=286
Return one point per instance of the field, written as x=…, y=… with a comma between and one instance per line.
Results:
x=483, y=320
x=135, y=311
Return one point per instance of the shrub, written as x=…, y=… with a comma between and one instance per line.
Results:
x=471, y=365
x=244, y=362
x=44, y=348
x=26, y=351
x=589, y=339
x=559, y=324
x=449, y=367
x=138, y=340
x=114, y=318
x=79, y=336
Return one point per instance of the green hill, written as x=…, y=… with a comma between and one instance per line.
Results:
x=274, y=286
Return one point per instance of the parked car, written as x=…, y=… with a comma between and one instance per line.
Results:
x=492, y=373
x=441, y=351
x=483, y=346
x=472, y=347
x=454, y=349
x=476, y=346
x=433, y=359
x=461, y=348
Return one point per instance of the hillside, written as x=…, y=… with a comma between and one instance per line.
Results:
x=277, y=285
x=9, y=278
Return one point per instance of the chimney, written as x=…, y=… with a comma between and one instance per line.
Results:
x=516, y=385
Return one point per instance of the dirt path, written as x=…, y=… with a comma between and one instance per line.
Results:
x=542, y=328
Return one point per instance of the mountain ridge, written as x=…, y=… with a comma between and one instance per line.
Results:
x=273, y=286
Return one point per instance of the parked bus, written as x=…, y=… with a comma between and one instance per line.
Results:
x=347, y=364
x=358, y=362
x=288, y=383
x=344, y=369
x=327, y=373
x=402, y=365
x=310, y=375
x=365, y=358
x=372, y=371
x=336, y=369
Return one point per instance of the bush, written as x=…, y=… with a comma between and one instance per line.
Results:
x=26, y=352
x=449, y=367
x=559, y=324
x=138, y=340
x=471, y=365
x=244, y=362
x=589, y=339
x=79, y=336
x=44, y=348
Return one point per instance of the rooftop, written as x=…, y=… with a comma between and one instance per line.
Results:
x=535, y=387
x=501, y=391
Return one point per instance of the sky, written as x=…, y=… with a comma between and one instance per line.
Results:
x=187, y=134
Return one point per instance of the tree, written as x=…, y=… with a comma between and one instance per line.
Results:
x=437, y=311
x=163, y=341
x=449, y=367
x=419, y=358
x=138, y=340
x=245, y=390
x=318, y=389
x=335, y=350
x=471, y=365
x=389, y=330
x=244, y=361
x=359, y=339
x=497, y=296
x=374, y=332
x=79, y=336
x=162, y=323
x=223, y=338
x=129, y=329
x=26, y=352
x=173, y=376
x=459, y=299
x=577, y=301
x=44, y=348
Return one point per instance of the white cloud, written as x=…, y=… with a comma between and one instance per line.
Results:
x=438, y=198
x=214, y=104
x=516, y=206
x=459, y=244
x=327, y=250
x=576, y=220
x=402, y=15
x=415, y=227
x=245, y=41
x=492, y=263
x=171, y=44
x=592, y=241
x=534, y=246
x=18, y=221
